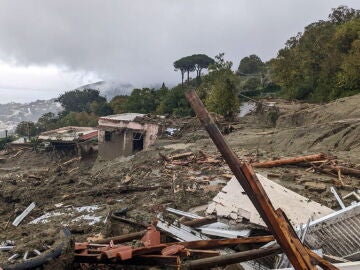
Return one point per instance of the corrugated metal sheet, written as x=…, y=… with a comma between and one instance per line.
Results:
x=337, y=234
x=90, y=135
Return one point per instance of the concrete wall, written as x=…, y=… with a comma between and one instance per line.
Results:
x=121, y=143
x=113, y=148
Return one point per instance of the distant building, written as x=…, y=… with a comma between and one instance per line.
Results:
x=124, y=134
x=80, y=139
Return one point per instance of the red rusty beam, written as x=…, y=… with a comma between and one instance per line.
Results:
x=122, y=238
x=243, y=172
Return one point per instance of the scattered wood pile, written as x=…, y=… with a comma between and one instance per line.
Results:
x=317, y=163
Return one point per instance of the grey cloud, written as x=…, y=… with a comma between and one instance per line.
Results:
x=137, y=41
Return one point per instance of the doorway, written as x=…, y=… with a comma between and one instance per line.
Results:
x=138, y=142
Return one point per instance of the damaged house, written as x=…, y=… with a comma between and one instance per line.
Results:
x=127, y=133
x=82, y=140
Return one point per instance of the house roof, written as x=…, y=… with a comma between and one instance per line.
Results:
x=69, y=134
x=129, y=117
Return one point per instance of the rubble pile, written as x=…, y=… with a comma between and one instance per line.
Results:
x=178, y=205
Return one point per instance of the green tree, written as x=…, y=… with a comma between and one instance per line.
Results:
x=195, y=62
x=220, y=63
x=343, y=14
x=80, y=100
x=100, y=108
x=318, y=65
x=141, y=101
x=218, y=88
x=222, y=98
x=348, y=77
x=27, y=129
x=185, y=65
x=250, y=65
x=201, y=61
x=175, y=103
x=82, y=119
x=47, y=121
x=118, y=104
x=251, y=84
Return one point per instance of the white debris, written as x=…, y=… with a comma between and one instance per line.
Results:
x=20, y=217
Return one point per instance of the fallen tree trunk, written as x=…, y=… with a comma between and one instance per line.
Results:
x=288, y=161
x=343, y=170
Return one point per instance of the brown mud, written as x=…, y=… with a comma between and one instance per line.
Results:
x=83, y=194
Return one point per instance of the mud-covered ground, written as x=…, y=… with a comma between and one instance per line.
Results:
x=82, y=195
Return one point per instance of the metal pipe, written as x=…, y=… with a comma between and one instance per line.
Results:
x=238, y=257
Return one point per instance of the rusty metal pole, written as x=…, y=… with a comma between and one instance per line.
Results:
x=243, y=172
x=238, y=257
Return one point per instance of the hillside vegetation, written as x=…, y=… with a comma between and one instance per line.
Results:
x=323, y=63
x=319, y=65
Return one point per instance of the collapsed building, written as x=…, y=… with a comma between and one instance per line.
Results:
x=127, y=133
x=81, y=140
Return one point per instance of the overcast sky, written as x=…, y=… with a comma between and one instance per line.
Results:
x=49, y=46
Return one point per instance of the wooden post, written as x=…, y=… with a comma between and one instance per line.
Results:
x=243, y=172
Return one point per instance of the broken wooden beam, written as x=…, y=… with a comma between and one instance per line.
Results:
x=288, y=161
x=238, y=257
x=243, y=172
x=181, y=155
x=324, y=264
x=76, y=159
